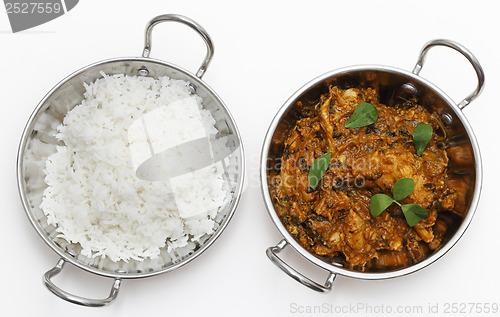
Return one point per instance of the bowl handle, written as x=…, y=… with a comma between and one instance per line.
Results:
x=465, y=52
x=187, y=21
x=74, y=298
x=272, y=254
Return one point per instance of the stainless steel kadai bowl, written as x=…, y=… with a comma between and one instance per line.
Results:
x=391, y=83
x=38, y=142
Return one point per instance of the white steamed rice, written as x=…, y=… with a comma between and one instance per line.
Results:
x=94, y=197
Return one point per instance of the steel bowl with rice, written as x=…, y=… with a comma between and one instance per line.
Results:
x=130, y=167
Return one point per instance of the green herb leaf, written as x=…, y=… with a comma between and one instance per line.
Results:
x=365, y=114
x=379, y=203
x=318, y=168
x=414, y=213
x=421, y=137
x=403, y=188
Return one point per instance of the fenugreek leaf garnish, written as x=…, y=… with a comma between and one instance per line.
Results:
x=318, y=168
x=379, y=203
x=421, y=137
x=414, y=213
x=365, y=114
x=403, y=188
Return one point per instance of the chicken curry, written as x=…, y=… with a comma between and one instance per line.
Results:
x=333, y=220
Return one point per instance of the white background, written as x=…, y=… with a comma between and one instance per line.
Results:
x=264, y=52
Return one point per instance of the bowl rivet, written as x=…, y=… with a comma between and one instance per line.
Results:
x=192, y=88
x=410, y=88
x=143, y=71
x=447, y=118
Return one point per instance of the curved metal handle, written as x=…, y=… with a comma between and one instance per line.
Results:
x=272, y=254
x=187, y=21
x=74, y=298
x=465, y=52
